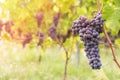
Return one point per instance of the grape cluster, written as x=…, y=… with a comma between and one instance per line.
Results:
x=98, y=22
x=75, y=27
x=52, y=32
x=27, y=39
x=19, y=32
x=39, y=18
x=61, y=38
x=8, y=27
x=89, y=32
x=56, y=19
x=40, y=35
x=69, y=33
x=1, y=25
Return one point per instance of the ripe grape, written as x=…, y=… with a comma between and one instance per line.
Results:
x=8, y=26
x=79, y=24
x=56, y=19
x=40, y=36
x=19, y=32
x=89, y=32
x=27, y=39
x=1, y=25
x=52, y=33
x=39, y=18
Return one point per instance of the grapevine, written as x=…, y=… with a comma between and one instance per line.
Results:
x=106, y=35
x=49, y=24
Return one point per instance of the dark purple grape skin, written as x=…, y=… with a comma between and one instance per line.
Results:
x=52, y=33
x=56, y=19
x=40, y=36
x=27, y=39
x=89, y=32
x=39, y=17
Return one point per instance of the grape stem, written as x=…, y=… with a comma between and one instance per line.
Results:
x=110, y=44
x=66, y=63
x=108, y=39
x=67, y=59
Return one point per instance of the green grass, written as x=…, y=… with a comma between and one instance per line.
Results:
x=17, y=63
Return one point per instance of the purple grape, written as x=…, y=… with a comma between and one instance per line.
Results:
x=56, y=19
x=52, y=33
x=40, y=36
x=39, y=17
x=89, y=32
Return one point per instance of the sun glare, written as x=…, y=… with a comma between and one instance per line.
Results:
x=2, y=1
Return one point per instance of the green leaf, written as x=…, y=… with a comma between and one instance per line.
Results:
x=107, y=11
x=117, y=2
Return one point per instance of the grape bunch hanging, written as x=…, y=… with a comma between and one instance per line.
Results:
x=89, y=32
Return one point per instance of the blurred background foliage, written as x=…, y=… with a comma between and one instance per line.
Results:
x=30, y=16
x=23, y=12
